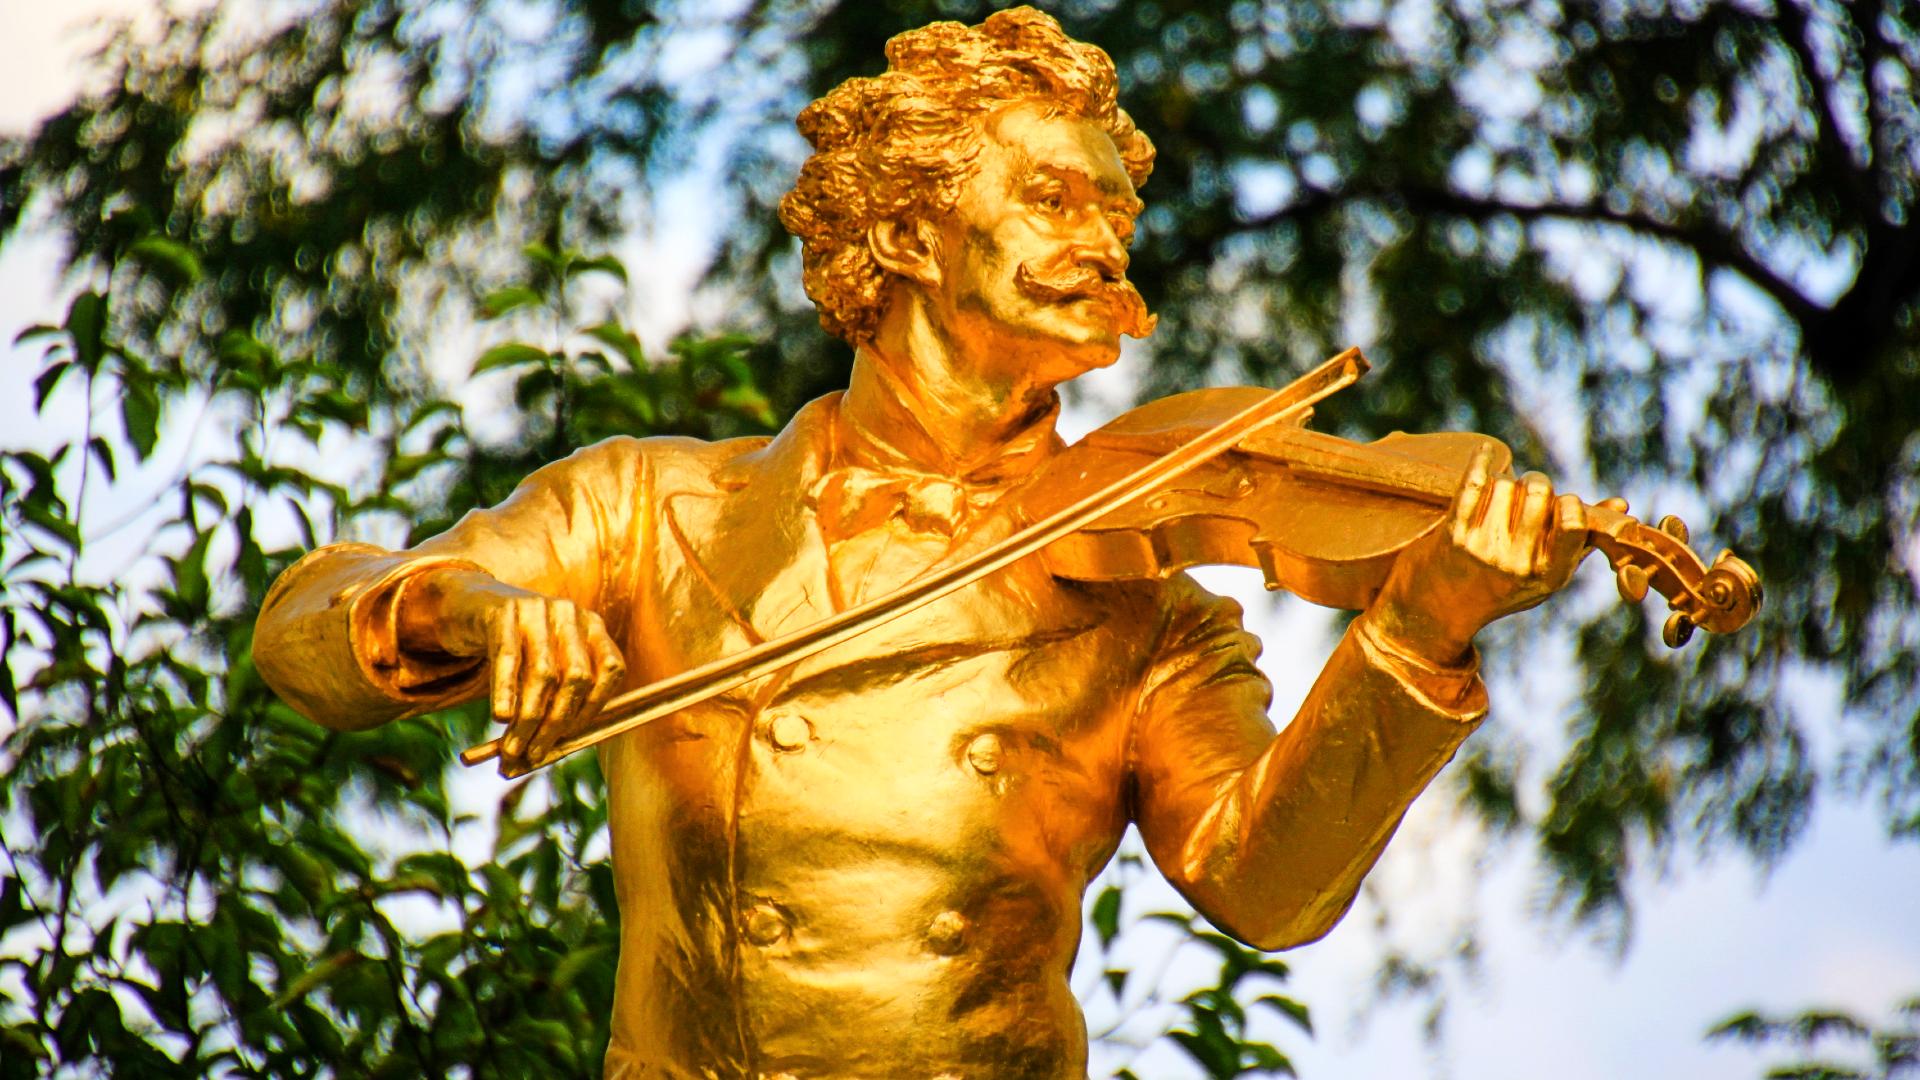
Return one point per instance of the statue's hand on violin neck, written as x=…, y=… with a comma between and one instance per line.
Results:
x=1507, y=544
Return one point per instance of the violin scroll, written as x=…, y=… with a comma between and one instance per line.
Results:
x=1720, y=598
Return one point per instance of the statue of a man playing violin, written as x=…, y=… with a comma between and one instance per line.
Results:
x=870, y=863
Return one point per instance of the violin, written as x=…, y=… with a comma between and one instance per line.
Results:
x=1324, y=518
x=1224, y=476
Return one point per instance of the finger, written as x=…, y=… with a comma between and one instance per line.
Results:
x=610, y=668
x=539, y=672
x=575, y=666
x=1531, y=514
x=514, y=745
x=1498, y=505
x=1567, y=542
x=504, y=646
x=1469, y=503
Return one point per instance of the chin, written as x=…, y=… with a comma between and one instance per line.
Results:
x=1094, y=346
x=1071, y=360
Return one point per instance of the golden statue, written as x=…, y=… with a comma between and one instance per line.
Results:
x=918, y=691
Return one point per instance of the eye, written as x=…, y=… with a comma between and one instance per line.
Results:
x=1047, y=196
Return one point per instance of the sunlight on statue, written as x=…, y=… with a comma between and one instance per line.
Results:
x=869, y=862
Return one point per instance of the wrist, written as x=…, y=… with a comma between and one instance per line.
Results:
x=444, y=611
x=1414, y=632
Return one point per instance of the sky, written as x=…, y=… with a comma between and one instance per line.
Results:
x=1836, y=923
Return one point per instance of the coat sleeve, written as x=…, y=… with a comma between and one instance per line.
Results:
x=326, y=640
x=1269, y=835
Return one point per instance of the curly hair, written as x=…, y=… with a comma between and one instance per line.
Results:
x=900, y=145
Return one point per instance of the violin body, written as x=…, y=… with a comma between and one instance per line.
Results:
x=1325, y=518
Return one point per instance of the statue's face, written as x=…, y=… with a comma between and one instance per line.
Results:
x=1035, y=253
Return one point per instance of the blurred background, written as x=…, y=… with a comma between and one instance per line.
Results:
x=276, y=274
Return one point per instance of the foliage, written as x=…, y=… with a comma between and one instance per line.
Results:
x=1893, y=1051
x=187, y=887
x=1691, y=222
x=1210, y=1023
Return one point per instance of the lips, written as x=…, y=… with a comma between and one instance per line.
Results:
x=1085, y=283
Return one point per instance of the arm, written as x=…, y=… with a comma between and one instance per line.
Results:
x=353, y=636
x=1270, y=835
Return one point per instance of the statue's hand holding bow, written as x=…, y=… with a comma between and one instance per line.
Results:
x=551, y=661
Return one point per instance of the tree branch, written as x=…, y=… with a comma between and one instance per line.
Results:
x=1713, y=248
x=1874, y=47
x=1795, y=22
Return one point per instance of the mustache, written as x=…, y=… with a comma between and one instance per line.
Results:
x=1053, y=284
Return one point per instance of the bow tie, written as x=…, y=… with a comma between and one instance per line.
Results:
x=855, y=499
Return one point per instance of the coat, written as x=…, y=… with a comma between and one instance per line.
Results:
x=871, y=865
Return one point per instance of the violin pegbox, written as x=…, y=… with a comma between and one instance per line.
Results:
x=1720, y=598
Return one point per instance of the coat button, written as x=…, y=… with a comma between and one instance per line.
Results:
x=983, y=754
x=766, y=925
x=947, y=934
x=789, y=732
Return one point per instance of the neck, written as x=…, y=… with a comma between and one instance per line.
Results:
x=923, y=390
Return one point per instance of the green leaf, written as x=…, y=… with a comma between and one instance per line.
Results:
x=1263, y=1057
x=244, y=350
x=1106, y=915
x=313, y=977
x=38, y=330
x=87, y=323
x=622, y=340
x=44, y=383
x=503, y=301
x=546, y=257
x=605, y=264
x=190, y=576
x=104, y=454
x=169, y=255
x=140, y=413
x=1291, y=1009
x=9, y=692
x=511, y=354
x=430, y=410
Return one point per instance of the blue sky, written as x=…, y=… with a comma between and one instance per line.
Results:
x=1836, y=923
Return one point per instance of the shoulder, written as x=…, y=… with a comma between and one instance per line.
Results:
x=628, y=461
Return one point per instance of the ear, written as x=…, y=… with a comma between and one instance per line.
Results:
x=911, y=251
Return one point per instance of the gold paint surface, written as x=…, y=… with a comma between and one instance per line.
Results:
x=871, y=863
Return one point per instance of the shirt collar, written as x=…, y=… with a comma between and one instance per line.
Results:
x=858, y=443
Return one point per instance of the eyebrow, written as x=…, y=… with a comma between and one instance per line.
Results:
x=1127, y=199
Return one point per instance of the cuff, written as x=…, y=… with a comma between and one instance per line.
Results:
x=1455, y=691
x=423, y=680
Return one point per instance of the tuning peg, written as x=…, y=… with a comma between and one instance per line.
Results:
x=1675, y=528
x=1678, y=631
x=1633, y=583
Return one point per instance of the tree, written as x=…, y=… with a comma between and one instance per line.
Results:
x=1690, y=224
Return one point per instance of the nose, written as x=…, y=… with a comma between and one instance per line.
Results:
x=1103, y=251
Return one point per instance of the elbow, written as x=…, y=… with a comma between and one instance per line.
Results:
x=306, y=695
x=1278, y=925
x=1292, y=933
x=310, y=666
